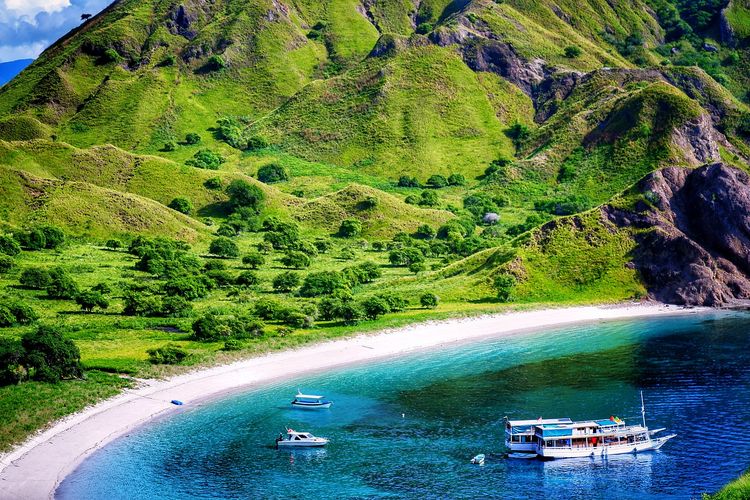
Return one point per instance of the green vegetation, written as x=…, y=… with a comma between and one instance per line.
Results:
x=736, y=490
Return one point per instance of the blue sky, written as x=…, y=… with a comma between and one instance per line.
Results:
x=27, y=27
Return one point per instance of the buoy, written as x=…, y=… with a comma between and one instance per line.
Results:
x=403, y=415
x=177, y=402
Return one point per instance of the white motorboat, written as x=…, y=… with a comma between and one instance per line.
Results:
x=479, y=459
x=299, y=440
x=310, y=401
x=562, y=438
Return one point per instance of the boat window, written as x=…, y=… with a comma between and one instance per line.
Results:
x=296, y=438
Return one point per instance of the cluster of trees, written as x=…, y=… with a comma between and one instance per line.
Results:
x=15, y=313
x=34, y=238
x=43, y=354
x=436, y=181
x=206, y=159
x=60, y=285
x=234, y=132
x=213, y=326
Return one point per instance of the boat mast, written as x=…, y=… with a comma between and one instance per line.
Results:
x=643, y=410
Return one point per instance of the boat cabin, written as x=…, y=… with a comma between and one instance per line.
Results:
x=520, y=436
x=589, y=434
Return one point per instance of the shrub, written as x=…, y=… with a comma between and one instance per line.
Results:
x=429, y=300
x=322, y=283
x=295, y=260
x=504, y=285
x=298, y=319
x=395, y=302
x=351, y=313
x=214, y=183
x=255, y=142
x=9, y=246
x=374, y=307
x=169, y=60
x=424, y=28
x=104, y=288
x=6, y=317
x=206, y=159
x=169, y=354
x=286, y=281
x=36, y=278
x=113, y=244
x=215, y=63
x=175, y=307
x=61, y=285
x=247, y=279
x=572, y=51
x=22, y=312
x=428, y=199
x=425, y=232
x=323, y=245
x=33, y=239
x=350, y=228
x=412, y=200
x=329, y=308
x=6, y=264
x=50, y=357
x=405, y=256
x=110, y=56
x=192, y=138
x=224, y=247
x=268, y=309
x=272, y=173
x=189, y=287
x=456, y=180
x=141, y=304
x=518, y=133
x=480, y=204
x=232, y=345
x=169, y=146
x=89, y=299
x=368, y=203
x=182, y=205
x=417, y=267
x=437, y=181
x=243, y=194
x=253, y=260
x=407, y=181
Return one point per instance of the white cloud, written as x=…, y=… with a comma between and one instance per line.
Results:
x=26, y=51
x=33, y=7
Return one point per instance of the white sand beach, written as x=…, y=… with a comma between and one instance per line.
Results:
x=34, y=469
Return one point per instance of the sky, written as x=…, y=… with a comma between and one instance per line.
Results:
x=27, y=27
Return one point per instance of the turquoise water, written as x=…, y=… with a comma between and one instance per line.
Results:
x=694, y=371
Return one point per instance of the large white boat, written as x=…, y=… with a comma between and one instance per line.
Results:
x=561, y=438
x=310, y=401
x=299, y=440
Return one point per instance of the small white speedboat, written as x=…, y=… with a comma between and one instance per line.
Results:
x=296, y=439
x=310, y=401
x=479, y=459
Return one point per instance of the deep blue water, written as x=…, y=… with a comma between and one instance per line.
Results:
x=694, y=371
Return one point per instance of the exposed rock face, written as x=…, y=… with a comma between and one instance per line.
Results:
x=180, y=22
x=728, y=36
x=695, y=249
x=698, y=140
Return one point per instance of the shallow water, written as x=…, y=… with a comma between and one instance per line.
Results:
x=694, y=371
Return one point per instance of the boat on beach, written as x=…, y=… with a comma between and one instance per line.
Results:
x=563, y=438
x=296, y=439
x=310, y=401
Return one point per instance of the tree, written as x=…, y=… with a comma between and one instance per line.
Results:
x=182, y=205
x=247, y=278
x=6, y=263
x=322, y=283
x=50, y=357
x=268, y=309
x=224, y=247
x=89, y=299
x=504, y=285
x=61, y=285
x=437, y=181
x=407, y=181
x=85, y=17
x=214, y=183
x=206, y=159
x=405, y=256
x=215, y=63
x=187, y=286
x=295, y=260
x=272, y=173
x=286, y=281
x=169, y=354
x=12, y=370
x=9, y=246
x=350, y=228
x=175, y=307
x=243, y=194
x=572, y=51
x=141, y=304
x=374, y=307
x=456, y=180
x=53, y=235
x=351, y=313
x=253, y=260
x=323, y=245
x=192, y=138
x=36, y=278
x=429, y=300
x=395, y=302
x=113, y=244
x=169, y=146
x=417, y=267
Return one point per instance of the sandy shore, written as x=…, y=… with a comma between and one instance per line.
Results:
x=34, y=469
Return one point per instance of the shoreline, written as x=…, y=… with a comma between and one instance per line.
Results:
x=35, y=468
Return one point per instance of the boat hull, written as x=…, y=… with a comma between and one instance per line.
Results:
x=603, y=451
x=286, y=444
x=312, y=406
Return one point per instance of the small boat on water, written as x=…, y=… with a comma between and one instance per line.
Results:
x=479, y=459
x=296, y=439
x=563, y=438
x=310, y=401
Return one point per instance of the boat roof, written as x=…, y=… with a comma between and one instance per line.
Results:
x=538, y=421
x=308, y=396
